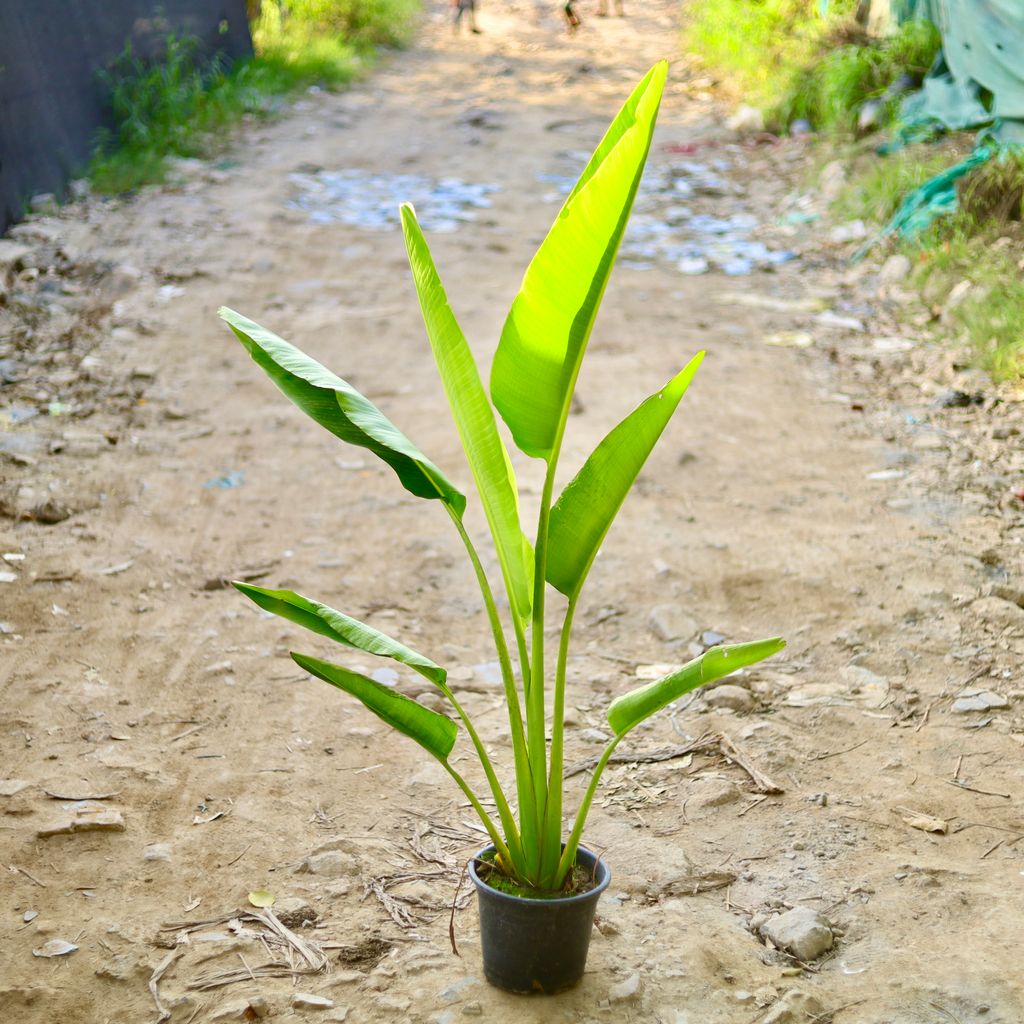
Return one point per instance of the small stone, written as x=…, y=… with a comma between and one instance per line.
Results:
x=11, y=787
x=330, y=864
x=306, y=1001
x=668, y=622
x=593, y=736
x=473, y=1009
x=433, y=701
x=338, y=1014
x=625, y=990
x=295, y=912
x=157, y=851
x=85, y=816
x=980, y=700
x=803, y=932
x=999, y=612
x=895, y=269
x=735, y=698
x=51, y=512
x=794, y=1007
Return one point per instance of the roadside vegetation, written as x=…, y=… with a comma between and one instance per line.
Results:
x=184, y=104
x=821, y=72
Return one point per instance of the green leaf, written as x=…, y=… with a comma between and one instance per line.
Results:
x=342, y=629
x=347, y=414
x=588, y=505
x=434, y=732
x=545, y=335
x=632, y=708
x=485, y=451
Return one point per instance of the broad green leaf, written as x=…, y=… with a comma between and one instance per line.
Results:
x=435, y=733
x=341, y=628
x=588, y=505
x=474, y=417
x=632, y=708
x=347, y=414
x=545, y=335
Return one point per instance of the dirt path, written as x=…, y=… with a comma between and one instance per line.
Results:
x=127, y=673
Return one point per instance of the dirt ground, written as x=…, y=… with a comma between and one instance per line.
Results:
x=799, y=491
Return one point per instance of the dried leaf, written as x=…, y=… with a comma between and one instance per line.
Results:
x=55, y=947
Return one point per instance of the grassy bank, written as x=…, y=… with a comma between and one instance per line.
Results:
x=184, y=105
x=794, y=63
x=976, y=254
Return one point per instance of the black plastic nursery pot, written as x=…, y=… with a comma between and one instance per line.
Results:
x=537, y=946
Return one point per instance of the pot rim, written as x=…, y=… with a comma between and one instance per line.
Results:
x=558, y=901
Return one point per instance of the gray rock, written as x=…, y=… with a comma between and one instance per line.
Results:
x=669, y=622
x=11, y=787
x=625, y=990
x=895, y=269
x=803, y=932
x=593, y=736
x=980, y=700
x=735, y=698
x=157, y=851
x=84, y=816
x=306, y=1001
x=999, y=612
x=794, y=1007
x=832, y=180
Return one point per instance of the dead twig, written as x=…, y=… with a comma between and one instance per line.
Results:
x=972, y=789
x=154, y=983
x=451, y=919
x=31, y=878
x=732, y=753
x=662, y=754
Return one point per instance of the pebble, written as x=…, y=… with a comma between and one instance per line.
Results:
x=852, y=231
x=330, y=864
x=746, y=119
x=306, y=1001
x=713, y=793
x=473, y=1009
x=11, y=787
x=803, y=932
x=593, y=736
x=669, y=622
x=625, y=990
x=157, y=851
x=735, y=698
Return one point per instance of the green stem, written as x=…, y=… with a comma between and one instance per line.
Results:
x=535, y=723
x=573, y=842
x=508, y=822
x=553, y=808
x=524, y=785
x=499, y=844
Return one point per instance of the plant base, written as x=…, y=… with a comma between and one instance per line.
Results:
x=537, y=945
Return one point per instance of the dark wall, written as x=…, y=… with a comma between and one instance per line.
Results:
x=50, y=101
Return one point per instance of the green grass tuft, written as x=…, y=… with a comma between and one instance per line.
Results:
x=784, y=57
x=183, y=105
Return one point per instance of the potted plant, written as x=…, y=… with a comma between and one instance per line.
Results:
x=537, y=885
